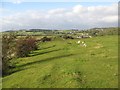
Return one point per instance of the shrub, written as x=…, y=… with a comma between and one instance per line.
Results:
x=67, y=37
x=25, y=46
x=8, y=48
x=44, y=39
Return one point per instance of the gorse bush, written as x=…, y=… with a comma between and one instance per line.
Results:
x=25, y=46
x=8, y=51
x=44, y=39
x=67, y=37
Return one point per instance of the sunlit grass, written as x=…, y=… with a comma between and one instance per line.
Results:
x=65, y=64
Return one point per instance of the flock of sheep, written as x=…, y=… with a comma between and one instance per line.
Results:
x=82, y=43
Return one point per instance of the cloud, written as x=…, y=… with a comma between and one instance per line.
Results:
x=79, y=16
x=17, y=1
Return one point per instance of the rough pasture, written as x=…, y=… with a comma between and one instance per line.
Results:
x=58, y=64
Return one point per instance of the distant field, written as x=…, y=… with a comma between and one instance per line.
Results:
x=65, y=64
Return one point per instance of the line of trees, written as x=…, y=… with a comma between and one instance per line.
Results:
x=15, y=47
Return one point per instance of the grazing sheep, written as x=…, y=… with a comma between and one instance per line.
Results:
x=78, y=42
x=84, y=45
x=90, y=36
x=83, y=42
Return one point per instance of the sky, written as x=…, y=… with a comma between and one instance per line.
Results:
x=18, y=14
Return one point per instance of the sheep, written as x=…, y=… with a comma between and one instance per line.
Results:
x=78, y=42
x=83, y=42
x=84, y=45
x=90, y=36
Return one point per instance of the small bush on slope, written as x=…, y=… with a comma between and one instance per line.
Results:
x=25, y=46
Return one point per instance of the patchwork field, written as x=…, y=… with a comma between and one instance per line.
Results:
x=66, y=64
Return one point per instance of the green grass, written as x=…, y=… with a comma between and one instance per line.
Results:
x=59, y=64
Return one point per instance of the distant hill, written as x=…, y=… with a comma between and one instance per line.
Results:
x=101, y=31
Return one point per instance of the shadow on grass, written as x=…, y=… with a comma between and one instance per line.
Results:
x=13, y=71
x=22, y=67
x=47, y=47
x=44, y=52
x=45, y=60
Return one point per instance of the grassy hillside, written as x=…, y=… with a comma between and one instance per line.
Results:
x=65, y=64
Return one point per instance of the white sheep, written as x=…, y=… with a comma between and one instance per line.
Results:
x=84, y=45
x=82, y=42
x=90, y=36
x=78, y=42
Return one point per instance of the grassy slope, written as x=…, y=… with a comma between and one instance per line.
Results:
x=59, y=64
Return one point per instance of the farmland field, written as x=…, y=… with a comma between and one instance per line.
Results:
x=65, y=64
